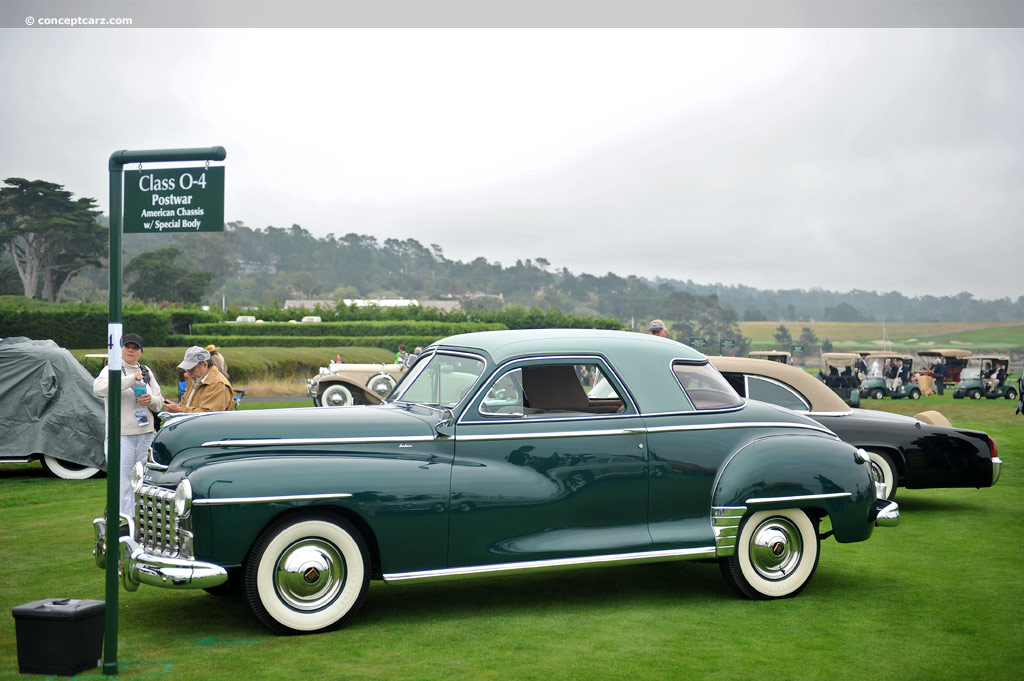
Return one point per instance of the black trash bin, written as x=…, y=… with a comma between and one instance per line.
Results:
x=59, y=635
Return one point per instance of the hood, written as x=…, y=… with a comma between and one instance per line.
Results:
x=190, y=432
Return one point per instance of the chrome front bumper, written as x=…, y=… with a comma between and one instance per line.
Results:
x=997, y=465
x=135, y=566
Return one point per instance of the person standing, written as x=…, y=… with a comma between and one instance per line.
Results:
x=218, y=360
x=939, y=371
x=140, y=400
x=657, y=328
x=208, y=389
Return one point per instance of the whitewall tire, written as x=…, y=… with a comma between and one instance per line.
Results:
x=307, y=573
x=776, y=554
x=883, y=470
x=68, y=470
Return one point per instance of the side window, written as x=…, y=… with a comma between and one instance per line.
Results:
x=538, y=390
x=769, y=391
x=705, y=386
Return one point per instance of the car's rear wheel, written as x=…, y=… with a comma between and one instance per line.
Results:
x=1011, y=393
x=877, y=393
x=68, y=470
x=915, y=394
x=883, y=471
x=307, y=573
x=336, y=395
x=776, y=554
x=974, y=394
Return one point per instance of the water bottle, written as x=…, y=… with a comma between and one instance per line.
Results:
x=139, y=388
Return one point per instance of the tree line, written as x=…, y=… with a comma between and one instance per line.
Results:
x=54, y=248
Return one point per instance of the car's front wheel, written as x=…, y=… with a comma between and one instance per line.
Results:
x=307, y=573
x=68, y=470
x=877, y=393
x=776, y=554
x=336, y=395
x=1011, y=394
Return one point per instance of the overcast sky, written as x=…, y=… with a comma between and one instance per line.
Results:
x=884, y=159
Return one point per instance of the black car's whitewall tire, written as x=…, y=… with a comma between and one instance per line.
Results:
x=776, y=554
x=307, y=573
x=68, y=470
x=883, y=470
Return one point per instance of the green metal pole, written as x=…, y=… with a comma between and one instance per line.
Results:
x=114, y=423
x=114, y=332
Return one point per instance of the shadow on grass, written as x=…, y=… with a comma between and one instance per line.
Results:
x=526, y=593
x=921, y=504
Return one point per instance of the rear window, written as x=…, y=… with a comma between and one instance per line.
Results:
x=705, y=387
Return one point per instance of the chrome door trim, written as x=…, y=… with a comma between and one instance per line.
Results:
x=226, y=501
x=294, y=441
x=468, y=571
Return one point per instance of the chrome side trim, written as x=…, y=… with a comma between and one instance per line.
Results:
x=154, y=466
x=552, y=434
x=828, y=413
x=748, y=424
x=580, y=561
x=725, y=521
x=801, y=497
x=226, y=501
x=308, y=441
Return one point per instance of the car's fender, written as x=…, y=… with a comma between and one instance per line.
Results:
x=820, y=474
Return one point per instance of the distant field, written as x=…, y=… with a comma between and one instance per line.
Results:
x=919, y=336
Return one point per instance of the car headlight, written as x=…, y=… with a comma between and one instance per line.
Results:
x=137, y=476
x=183, y=498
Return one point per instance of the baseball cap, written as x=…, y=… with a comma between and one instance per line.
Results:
x=131, y=338
x=193, y=356
x=657, y=325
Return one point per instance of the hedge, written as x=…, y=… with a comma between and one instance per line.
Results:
x=227, y=342
x=354, y=329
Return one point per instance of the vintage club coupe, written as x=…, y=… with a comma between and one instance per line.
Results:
x=491, y=455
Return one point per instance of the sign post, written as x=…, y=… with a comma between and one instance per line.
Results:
x=120, y=222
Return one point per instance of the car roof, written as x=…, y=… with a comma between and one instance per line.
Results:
x=642, y=360
x=820, y=396
x=954, y=352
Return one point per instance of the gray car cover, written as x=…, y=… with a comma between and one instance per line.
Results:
x=47, y=405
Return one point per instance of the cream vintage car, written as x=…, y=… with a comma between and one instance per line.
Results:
x=342, y=385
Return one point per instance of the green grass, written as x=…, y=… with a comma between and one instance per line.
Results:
x=939, y=597
x=912, y=336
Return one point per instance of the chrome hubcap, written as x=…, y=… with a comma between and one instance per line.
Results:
x=775, y=548
x=309, y=574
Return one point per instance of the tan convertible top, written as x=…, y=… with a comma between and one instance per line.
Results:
x=820, y=396
x=956, y=353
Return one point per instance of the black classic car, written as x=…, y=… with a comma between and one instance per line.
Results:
x=925, y=451
x=495, y=453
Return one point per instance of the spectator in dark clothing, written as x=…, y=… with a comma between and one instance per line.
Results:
x=939, y=371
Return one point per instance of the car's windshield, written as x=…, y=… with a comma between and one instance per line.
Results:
x=442, y=380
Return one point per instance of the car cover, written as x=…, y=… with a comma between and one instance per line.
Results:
x=47, y=405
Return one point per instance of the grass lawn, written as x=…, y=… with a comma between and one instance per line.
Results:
x=939, y=597
x=905, y=336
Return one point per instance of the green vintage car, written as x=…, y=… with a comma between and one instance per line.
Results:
x=492, y=455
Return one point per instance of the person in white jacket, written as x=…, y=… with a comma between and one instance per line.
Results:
x=137, y=413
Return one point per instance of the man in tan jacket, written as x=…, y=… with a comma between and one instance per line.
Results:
x=208, y=389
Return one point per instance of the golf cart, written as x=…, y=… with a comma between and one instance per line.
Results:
x=978, y=379
x=839, y=373
x=879, y=383
x=955, y=361
x=780, y=356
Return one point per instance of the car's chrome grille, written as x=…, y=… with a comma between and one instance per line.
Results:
x=157, y=529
